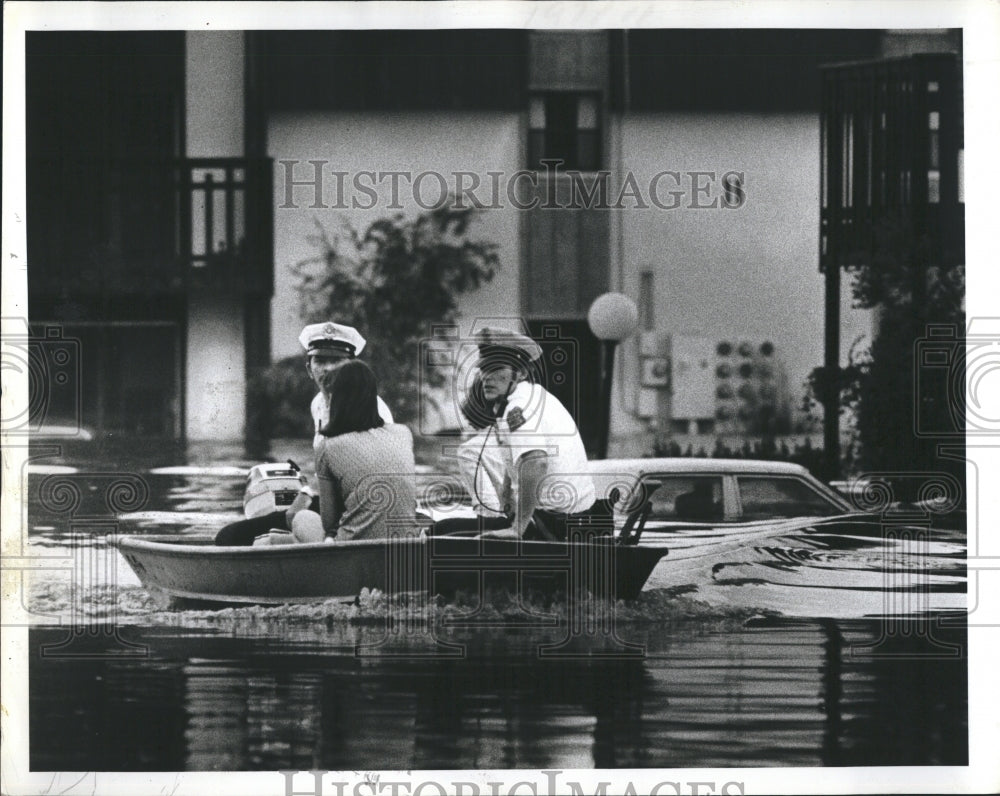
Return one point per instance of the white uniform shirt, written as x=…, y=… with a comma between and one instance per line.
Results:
x=320, y=410
x=547, y=426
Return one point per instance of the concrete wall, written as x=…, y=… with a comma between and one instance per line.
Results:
x=216, y=351
x=750, y=272
x=746, y=273
x=414, y=142
x=216, y=368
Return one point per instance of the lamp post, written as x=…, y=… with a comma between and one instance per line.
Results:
x=612, y=317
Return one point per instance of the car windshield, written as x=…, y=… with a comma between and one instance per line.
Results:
x=696, y=498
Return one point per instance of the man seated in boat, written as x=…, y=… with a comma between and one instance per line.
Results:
x=527, y=471
x=365, y=466
x=328, y=346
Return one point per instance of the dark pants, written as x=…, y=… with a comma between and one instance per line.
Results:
x=243, y=532
x=549, y=526
x=544, y=525
x=465, y=526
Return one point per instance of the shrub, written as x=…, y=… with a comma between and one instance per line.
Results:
x=393, y=282
x=278, y=401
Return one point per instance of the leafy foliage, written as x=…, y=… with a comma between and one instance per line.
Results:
x=393, y=282
x=846, y=383
x=881, y=386
x=278, y=401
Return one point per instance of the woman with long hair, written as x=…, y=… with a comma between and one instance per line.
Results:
x=364, y=465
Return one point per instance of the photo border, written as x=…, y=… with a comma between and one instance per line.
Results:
x=980, y=22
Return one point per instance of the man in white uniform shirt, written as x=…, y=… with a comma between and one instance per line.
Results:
x=528, y=470
x=328, y=346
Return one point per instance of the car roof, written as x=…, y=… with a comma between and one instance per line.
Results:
x=683, y=465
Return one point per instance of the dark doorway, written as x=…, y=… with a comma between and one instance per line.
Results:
x=570, y=371
x=127, y=379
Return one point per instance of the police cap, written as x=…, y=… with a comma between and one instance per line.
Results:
x=321, y=338
x=503, y=346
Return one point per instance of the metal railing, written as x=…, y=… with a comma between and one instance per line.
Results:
x=125, y=226
x=891, y=143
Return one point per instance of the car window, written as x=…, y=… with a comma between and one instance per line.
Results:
x=687, y=498
x=763, y=497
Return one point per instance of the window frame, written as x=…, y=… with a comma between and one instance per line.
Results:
x=726, y=496
x=534, y=158
x=738, y=477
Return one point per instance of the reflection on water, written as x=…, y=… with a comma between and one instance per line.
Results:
x=771, y=695
x=728, y=677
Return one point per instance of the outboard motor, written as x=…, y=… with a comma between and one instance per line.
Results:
x=271, y=487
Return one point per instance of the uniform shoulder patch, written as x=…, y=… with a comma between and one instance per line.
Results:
x=515, y=418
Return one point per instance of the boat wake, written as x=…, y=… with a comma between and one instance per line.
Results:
x=711, y=577
x=123, y=606
x=803, y=568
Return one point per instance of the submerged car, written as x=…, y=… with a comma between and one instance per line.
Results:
x=703, y=492
x=717, y=492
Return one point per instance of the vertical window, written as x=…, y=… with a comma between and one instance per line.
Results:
x=565, y=126
x=646, y=302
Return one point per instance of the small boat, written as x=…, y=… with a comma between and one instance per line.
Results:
x=192, y=568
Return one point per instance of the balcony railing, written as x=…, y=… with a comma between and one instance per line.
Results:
x=132, y=226
x=891, y=159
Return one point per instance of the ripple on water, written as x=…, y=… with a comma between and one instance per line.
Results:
x=415, y=613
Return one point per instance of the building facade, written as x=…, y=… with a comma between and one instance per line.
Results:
x=168, y=218
x=149, y=226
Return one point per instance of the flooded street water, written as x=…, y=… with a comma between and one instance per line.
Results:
x=781, y=695
x=785, y=649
